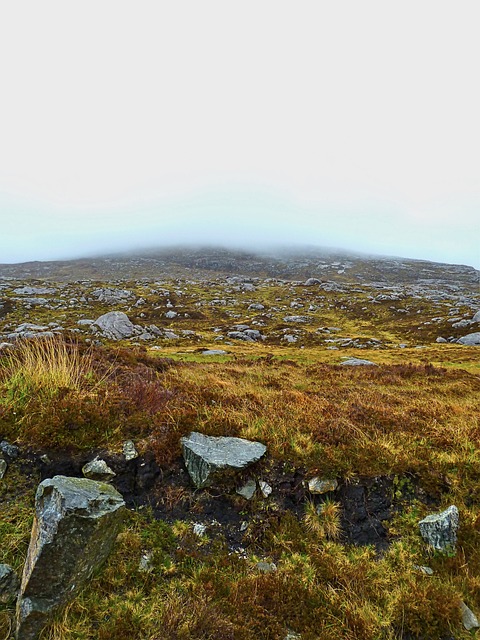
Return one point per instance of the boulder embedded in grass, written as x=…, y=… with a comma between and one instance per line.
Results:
x=439, y=530
x=208, y=458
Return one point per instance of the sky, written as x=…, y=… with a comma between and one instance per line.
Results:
x=340, y=124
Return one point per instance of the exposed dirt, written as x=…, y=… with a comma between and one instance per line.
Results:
x=367, y=504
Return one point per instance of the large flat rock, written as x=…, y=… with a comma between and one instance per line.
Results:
x=207, y=458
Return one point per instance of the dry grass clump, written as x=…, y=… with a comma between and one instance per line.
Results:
x=323, y=520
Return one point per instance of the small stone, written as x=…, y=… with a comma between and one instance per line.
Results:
x=266, y=567
x=469, y=619
x=98, y=469
x=265, y=488
x=248, y=489
x=129, y=450
x=8, y=449
x=45, y=459
x=425, y=570
x=145, y=564
x=3, y=467
x=355, y=362
x=318, y=485
x=244, y=526
x=440, y=529
x=9, y=584
x=199, y=529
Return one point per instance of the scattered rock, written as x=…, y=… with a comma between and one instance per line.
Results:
x=439, y=530
x=312, y=281
x=469, y=619
x=213, y=352
x=76, y=524
x=199, y=529
x=3, y=467
x=209, y=457
x=129, y=451
x=9, y=584
x=115, y=325
x=248, y=489
x=266, y=567
x=265, y=488
x=354, y=362
x=470, y=340
x=425, y=570
x=11, y=450
x=98, y=469
x=318, y=485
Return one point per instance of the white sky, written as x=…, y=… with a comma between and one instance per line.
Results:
x=346, y=123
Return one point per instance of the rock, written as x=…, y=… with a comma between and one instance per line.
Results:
x=265, y=488
x=116, y=325
x=9, y=584
x=129, y=450
x=439, y=530
x=318, y=485
x=248, y=489
x=76, y=524
x=199, y=529
x=476, y=317
x=311, y=281
x=145, y=564
x=425, y=570
x=3, y=467
x=441, y=340
x=11, y=450
x=34, y=291
x=209, y=457
x=266, y=567
x=354, y=362
x=171, y=314
x=470, y=340
x=256, y=306
x=213, y=352
x=98, y=469
x=469, y=619
x=299, y=319
x=112, y=296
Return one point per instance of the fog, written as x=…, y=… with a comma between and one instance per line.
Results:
x=130, y=125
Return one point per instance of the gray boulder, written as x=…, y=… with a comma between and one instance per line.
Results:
x=355, y=362
x=76, y=524
x=476, y=317
x=115, y=325
x=439, y=530
x=209, y=458
x=9, y=584
x=470, y=340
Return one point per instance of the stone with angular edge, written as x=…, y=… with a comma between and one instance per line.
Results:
x=129, y=451
x=439, y=530
x=9, y=584
x=116, y=326
x=98, y=469
x=208, y=458
x=76, y=523
x=247, y=491
x=321, y=485
x=469, y=619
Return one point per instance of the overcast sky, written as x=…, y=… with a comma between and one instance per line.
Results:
x=347, y=124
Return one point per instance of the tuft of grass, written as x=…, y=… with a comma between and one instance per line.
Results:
x=43, y=367
x=323, y=520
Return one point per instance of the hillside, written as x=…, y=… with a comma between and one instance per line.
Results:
x=359, y=374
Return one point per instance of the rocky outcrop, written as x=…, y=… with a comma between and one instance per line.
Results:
x=76, y=523
x=208, y=458
x=439, y=530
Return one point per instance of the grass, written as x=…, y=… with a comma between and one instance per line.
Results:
x=412, y=419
